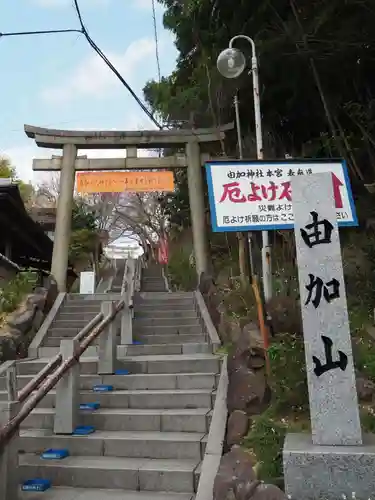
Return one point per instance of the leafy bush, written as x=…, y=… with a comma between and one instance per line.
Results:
x=288, y=372
x=266, y=440
x=13, y=292
x=181, y=271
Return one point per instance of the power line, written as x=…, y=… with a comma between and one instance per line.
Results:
x=44, y=32
x=112, y=67
x=156, y=39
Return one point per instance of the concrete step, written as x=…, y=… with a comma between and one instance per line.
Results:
x=148, y=349
x=60, y=323
x=182, y=321
x=141, y=313
x=61, y=493
x=184, y=363
x=166, y=329
x=143, y=399
x=164, y=305
x=171, y=339
x=161, y=445
x=74, y=307
x=119, y=473
x=85, y=300
x=76, y=315
x=137, y=382
x=128, y=419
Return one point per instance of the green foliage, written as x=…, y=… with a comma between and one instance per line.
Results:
x=82, y=244
x=8, y=171
x=182, y=274
x=13, y=292
x=288, y=372
x=82, y=218
x=266, y=439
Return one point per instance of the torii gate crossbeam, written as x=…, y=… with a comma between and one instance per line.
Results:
x=72, y=141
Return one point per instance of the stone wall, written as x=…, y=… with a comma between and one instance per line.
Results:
x=22, y=325
x=248, y=394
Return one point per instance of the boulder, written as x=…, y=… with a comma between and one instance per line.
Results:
x=237, y=428
x=37, y=299
x=52, y=292
x=247, y=391
x=365, y=388
x=22, y=319
x=235, y=467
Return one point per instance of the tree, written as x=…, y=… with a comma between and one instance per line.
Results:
x=8, y=171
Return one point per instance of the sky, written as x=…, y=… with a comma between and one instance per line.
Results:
x=58, y=81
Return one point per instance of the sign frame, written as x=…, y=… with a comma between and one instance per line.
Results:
x=261, y=164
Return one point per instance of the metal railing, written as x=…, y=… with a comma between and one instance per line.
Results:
x=64, y=366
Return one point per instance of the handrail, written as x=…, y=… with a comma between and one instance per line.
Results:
x=90, y=325
x=7, y=432
x=124, y=284
x=39, y=377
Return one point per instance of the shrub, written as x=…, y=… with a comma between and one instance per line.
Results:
x=13, y=292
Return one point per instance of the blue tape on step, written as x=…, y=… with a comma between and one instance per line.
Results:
x=122, y=372
x=55, y=454
x=83, y=430
x=36, y=485
x=89, y=406
x=102, y=388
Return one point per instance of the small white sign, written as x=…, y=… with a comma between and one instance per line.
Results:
x=87, y=282
x=256, y=195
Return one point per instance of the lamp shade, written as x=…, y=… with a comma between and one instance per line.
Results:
x=231, y=63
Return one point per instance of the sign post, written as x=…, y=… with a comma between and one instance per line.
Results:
x=333, y=462
x=257, y=195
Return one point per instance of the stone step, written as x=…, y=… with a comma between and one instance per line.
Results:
x=79, y=323
x=137, y=382
x=171, y=339
x=77, y=308
x=119, y=473
x=76, y=315
x=184, y=363
x=162, y=445
x=61, y=493
x=142, y=399
x=168, y=313
x=165, y=329
x=151, y=306
x=129, y=419
x=148, y=349
x=182, y=321
x=83, y=300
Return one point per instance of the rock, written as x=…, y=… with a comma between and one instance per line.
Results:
x=38, y=320
x=235, y=467
x=365, y=388
x=246, y=390
x=50, y=285
x=22, y=320
x=238, y=426
x=229, y=329
x=285, y=313
x=38, y=299
x=267, y=492
x=246, y=489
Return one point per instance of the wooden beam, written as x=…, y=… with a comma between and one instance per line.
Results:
x=84, y=164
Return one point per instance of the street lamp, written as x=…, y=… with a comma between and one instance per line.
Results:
x=231, y=63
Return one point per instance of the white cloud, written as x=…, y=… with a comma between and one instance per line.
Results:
x=94, y=78
x=146, y=4
x=58, y=4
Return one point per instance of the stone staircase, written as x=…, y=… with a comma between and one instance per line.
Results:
x=151, y=430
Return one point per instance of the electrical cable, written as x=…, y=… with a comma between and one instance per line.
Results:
x=156, y=39
x=44, y=32
x=111, y=66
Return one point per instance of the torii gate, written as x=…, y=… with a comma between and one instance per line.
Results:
x=72, y=141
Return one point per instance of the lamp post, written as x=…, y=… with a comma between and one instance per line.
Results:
x=231, y=63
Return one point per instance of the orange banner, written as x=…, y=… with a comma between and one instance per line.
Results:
x=119, y=182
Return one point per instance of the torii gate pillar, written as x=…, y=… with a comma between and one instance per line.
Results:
x=197, y=210
x=64, y=217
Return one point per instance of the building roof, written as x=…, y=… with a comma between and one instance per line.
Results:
x=31, y=247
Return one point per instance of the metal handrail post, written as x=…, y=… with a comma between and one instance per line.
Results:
x=9, y=455
x=108, y=344
x=67, y=391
